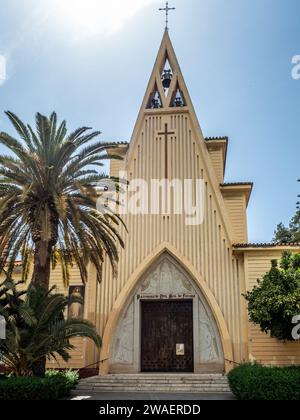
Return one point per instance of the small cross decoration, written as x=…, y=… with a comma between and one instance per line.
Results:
x=167, y=9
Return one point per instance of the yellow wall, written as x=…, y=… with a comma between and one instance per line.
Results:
x=206, y=248
x=236, y=205
x=216, y=156
x=262, y=348
x=79, y=353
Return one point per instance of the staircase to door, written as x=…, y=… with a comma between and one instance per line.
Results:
x=155, y=383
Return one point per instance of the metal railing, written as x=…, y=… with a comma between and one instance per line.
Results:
x=96, y=364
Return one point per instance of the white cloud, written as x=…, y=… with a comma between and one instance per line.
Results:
x=92, y=17
x=3, y=74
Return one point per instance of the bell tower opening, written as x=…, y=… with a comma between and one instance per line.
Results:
x=155, y=101
x=167, y=76
x=178, y=100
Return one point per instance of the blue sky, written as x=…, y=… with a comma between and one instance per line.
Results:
x=91, y=64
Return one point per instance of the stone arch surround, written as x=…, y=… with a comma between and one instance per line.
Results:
x=165, y=279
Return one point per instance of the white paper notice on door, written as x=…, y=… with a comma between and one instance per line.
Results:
x=180, y=351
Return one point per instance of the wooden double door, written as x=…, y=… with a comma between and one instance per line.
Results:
x=167, y=336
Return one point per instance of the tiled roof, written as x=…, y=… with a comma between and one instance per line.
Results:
x=206, y=139
x=216, y=138
x=236, y=184
x=267, y=245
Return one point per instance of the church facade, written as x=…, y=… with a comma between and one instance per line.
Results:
x=176, y=304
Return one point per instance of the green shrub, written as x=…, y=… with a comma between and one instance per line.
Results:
x=256, y=382
x=55, y=385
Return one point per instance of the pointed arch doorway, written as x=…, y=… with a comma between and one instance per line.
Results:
x=166, y=325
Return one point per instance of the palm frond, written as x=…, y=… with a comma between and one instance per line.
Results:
x=36, y=327
x=48, y=198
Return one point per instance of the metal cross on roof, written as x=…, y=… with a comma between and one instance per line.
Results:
x=167, y=9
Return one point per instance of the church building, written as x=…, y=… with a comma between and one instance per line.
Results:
x=176, y=304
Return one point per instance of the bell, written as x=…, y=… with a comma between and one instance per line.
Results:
x=155, y=104
x=178, y=102
x=167, y=78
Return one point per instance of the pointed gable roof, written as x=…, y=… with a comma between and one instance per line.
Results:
x=166, y=52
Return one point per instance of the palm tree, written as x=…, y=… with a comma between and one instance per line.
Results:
x=36, y=328
x=48, y=196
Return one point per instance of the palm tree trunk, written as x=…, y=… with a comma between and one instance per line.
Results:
x=41, y=279
x=42, y=259
x=39, y=368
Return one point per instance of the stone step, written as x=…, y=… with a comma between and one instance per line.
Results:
x=163, y=383
x=212, y=390
x=160, y=375
x=157, y=375
x=157, y=390
x=155, y=381
x=139, y=385
x=119, y=385
x=156, y=378
x=144, y=386
x=160, y=390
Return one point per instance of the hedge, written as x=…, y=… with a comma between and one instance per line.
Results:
x=54, y=386
x=256, y=382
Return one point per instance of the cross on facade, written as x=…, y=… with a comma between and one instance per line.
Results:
x=167, y=9
x=166, y=133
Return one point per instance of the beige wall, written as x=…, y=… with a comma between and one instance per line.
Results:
x=216, y=156
x=79, y=353
x=235, y=202
x=207, y=247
